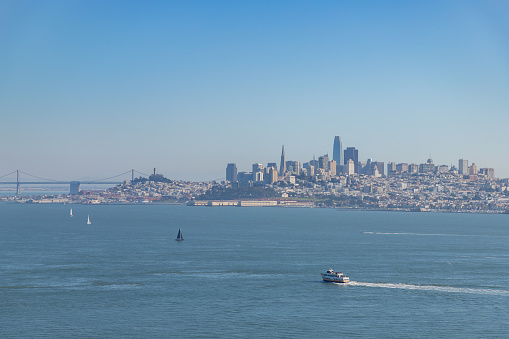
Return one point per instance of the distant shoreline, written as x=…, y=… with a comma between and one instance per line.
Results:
x=281, y=206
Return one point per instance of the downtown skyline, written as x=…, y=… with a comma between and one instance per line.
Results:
x=92, y=89
x=342, y=155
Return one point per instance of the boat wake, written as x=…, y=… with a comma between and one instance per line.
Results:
x=422, y=234
x=447, y=289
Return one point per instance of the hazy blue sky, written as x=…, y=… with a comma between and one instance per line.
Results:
x=95, y=88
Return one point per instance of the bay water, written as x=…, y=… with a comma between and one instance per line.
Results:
x=250, y=273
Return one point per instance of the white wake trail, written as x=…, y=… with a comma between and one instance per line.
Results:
x=448, y=289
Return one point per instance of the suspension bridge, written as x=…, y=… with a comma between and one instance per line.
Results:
x=74, y=185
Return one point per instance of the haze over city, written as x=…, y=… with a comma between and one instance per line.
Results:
x=92, y=89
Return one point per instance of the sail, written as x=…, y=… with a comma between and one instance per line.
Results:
x=70, y=212
x=179, y=235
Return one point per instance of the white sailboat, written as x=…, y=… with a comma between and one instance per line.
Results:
x=70, y=212
x=88, y=221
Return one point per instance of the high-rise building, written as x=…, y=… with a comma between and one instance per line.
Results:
x=323, y=162
x=349, y=167
x=257, y=172
x=413, y=168
x=337, y=151
x=463, y=166
x=314, y=162
x=310, y=170
x=442, y=168
x=391, y=168
x=293, y=167
x=231, y=172
x=352, y=154
x=271, y=176
x=428, y=167
x=373, y=168
x=333, y=167
x=489, y=172
x=282, y=168
x=245, y=176
x=380, y=166
x=402, y=168
x=272, y=164
x=472, y=170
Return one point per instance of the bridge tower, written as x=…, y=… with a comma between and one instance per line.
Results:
x=17, y=182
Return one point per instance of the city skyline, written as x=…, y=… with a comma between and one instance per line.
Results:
x=462, y=166
x=93, y=89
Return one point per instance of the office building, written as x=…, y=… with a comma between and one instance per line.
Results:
x=463, y=166
x=380, y=165
x=442, y=169
x=349, y=167
x=428, y=167
x=257, y=172
x=337, y=151
x=333, y=167
x=75, y=187
x=271, y=175
x=244, y=176
x=272, y=164
x=489, y=172
x=352, y=154
x=323, y=162
x=391, y=168
x=402, y=168
x=282, y=168
x=231, y=172
x=472, y=170
x=314, y=163
x=310, y=170
x=293, y=167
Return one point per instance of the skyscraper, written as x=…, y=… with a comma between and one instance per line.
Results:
x=257, y=172
x=463, y=166
x=323, y=162
x=352, y=154
x=282, y=167
x=337, y=151
x=231, y=172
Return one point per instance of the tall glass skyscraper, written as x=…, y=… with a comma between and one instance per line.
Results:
x=337, y=151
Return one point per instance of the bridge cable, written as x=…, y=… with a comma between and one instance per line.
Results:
x=118, y=175
x=148, y=175
x=8, y=174
x=34, y=176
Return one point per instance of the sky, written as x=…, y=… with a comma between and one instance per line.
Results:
x=91, y=89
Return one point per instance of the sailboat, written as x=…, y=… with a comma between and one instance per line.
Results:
x=179, y=236
x=71, y=213
x=88, y=221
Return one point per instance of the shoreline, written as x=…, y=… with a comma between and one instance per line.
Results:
x=348, y=209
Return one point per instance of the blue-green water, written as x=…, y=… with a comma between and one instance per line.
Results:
x=250, y=272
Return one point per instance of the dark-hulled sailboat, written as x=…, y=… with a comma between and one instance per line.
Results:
x=179, y=236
